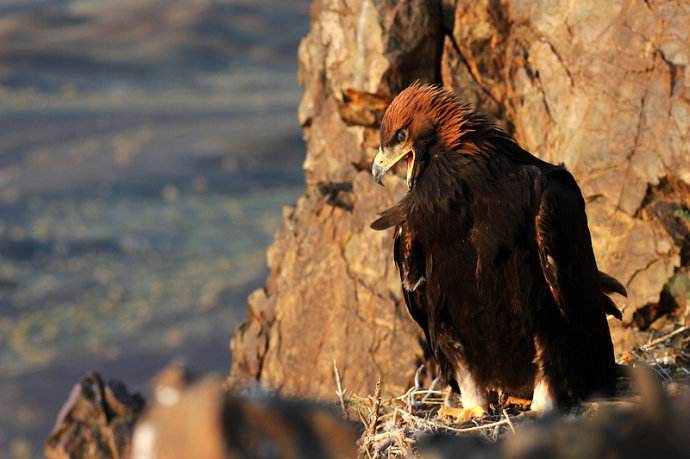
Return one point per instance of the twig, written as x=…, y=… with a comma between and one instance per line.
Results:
x=385, y=436
x=428, y=423
x=363, y=421
x=377, y=407
x=339, y=392
x=417, y=386
x=651, y=344
x=431, y=389
x=387, y=443
x=417, y=375
x=510, y=423
x=654, y=364
x=502, y=422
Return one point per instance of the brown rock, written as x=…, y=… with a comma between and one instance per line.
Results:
x=362, y=108
x=201, y=420
x=475, y=54
x=591, y=87
x=333, y=292
x=603, y=88
x=96, y=421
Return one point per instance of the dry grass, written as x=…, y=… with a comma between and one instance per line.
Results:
x=392, y=426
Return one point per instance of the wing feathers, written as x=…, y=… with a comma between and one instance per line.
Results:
x=389, y=218
x=566, y=255
x=410, y=261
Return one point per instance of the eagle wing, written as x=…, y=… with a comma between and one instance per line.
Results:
x=411, y=263
x=566, y=255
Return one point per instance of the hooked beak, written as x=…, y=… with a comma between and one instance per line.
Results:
x=388, y=157
x=378, y=170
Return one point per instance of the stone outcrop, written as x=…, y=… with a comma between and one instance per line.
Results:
x=333, y=294
x=200, y=419
x=96, y=421
x=601, y=87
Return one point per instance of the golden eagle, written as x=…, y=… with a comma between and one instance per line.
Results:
x=495, y=257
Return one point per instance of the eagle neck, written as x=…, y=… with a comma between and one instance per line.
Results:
x=443, y=192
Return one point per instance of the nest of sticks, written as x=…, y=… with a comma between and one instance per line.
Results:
x=393, y=426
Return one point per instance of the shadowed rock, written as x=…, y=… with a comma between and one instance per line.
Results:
x=202, y=420
x=96, y=421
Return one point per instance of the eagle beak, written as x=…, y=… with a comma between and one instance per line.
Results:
x=377, y=168
x=388, y=157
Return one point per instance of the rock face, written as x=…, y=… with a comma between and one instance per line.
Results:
x=96, y=421
x=333, y=293
x=603, y=88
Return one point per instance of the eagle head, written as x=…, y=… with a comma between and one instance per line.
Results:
x=420, y=119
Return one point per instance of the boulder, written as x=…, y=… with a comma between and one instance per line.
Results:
x=201, y=419
x=96, y=421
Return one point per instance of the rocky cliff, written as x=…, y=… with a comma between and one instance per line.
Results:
x=601, y=87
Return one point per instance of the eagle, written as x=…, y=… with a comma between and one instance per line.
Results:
x=495, y=258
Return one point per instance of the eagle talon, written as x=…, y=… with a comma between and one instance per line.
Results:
x=462, y=415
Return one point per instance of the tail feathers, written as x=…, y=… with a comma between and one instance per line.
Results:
x=611, y=284
x=610, y=308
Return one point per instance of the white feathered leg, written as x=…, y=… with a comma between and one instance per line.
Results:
x=474, y=401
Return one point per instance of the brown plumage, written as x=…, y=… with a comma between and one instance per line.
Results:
x=495, y=257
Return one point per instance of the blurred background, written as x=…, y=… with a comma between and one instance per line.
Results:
x=146, y=150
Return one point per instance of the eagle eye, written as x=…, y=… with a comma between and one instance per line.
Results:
x=400, y=136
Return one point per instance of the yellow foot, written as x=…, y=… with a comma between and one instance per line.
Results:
x=520, y=403
x=462, y=414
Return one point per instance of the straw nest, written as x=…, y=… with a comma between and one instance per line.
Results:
x=391, y=427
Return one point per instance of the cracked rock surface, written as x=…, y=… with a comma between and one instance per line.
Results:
x=603, y=87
